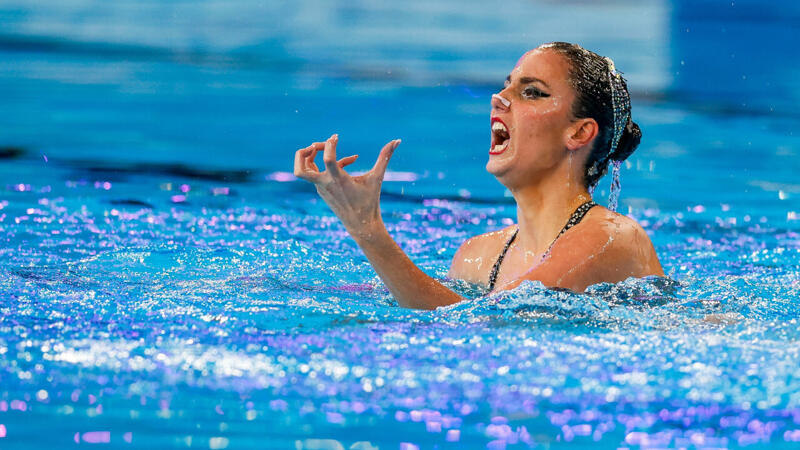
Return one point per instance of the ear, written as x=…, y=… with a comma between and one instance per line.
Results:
x=581, y=133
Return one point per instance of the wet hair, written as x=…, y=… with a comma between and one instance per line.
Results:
x=600, y=90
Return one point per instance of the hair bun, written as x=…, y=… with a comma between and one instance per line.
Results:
x=631, y=136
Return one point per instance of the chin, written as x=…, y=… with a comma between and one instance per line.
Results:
x=498, y=165
x=511, y=174
x=500, y=169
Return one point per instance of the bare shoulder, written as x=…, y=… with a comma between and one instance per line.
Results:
x=604, y=247
x=473, y=259
x=625, y=232
x=620, y=241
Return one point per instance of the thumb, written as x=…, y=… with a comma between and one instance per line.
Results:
x=383, y=158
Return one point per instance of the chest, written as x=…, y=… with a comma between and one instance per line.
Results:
x=514, y=265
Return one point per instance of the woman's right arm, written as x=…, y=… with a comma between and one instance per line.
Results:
x=356, y=202
x=412, y=287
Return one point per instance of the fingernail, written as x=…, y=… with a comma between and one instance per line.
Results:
x=334, y=136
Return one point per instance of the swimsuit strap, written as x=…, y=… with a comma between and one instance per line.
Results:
x=574, y=219
x=496, y=267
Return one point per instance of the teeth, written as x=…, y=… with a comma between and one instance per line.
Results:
x=500, y=137
x=500, y=147
x=498, y=126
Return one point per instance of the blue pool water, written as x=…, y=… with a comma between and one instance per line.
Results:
x=165, y=283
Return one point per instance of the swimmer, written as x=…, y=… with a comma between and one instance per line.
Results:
x=561, y=119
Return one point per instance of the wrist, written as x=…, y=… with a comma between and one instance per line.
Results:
x=369, y=232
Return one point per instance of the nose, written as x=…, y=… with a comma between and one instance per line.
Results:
x=500, y=103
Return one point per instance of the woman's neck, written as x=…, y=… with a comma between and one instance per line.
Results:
x=544, y=207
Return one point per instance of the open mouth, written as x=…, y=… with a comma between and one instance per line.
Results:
x=500, y=137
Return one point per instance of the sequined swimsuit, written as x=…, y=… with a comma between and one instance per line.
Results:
x=574, y=219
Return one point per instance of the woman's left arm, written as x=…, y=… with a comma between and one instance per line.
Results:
x=356, y=202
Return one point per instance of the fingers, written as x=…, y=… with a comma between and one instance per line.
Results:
x=329, y=156
x=383, y=159
x=346, y=161
x=301, y=169
x=312, y=154
x=298, y=163
x=304, y=167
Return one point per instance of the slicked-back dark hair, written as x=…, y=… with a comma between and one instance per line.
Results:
x=589, y=75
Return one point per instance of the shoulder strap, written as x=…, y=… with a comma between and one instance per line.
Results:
x=496, y=267
x=574, y=219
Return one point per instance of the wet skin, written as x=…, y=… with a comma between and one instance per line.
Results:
x=542, y=164
x=545, y=157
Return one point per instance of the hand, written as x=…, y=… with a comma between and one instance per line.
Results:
x=354, y=200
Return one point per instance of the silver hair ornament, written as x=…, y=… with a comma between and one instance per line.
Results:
x=621, y=105
x=613, y=197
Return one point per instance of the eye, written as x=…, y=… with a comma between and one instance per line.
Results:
x=533, y=93
x=506, y=84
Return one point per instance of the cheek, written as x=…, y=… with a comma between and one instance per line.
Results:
x=550, y=109
x=541, y=123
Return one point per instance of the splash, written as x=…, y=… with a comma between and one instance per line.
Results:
x=263, y=315
x=616, y=187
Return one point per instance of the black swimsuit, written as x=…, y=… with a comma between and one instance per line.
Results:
x=574, y=219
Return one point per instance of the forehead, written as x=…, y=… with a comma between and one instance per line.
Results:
x=544, y=64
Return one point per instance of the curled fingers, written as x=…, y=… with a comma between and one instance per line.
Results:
x=304, y=167
x=312, y=154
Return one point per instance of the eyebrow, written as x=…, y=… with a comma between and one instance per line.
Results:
x=528, y=80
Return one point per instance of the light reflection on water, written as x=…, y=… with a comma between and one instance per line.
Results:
x=219, y=323
x=165, y=282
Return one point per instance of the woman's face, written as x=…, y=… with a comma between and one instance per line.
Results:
x=530, y=128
